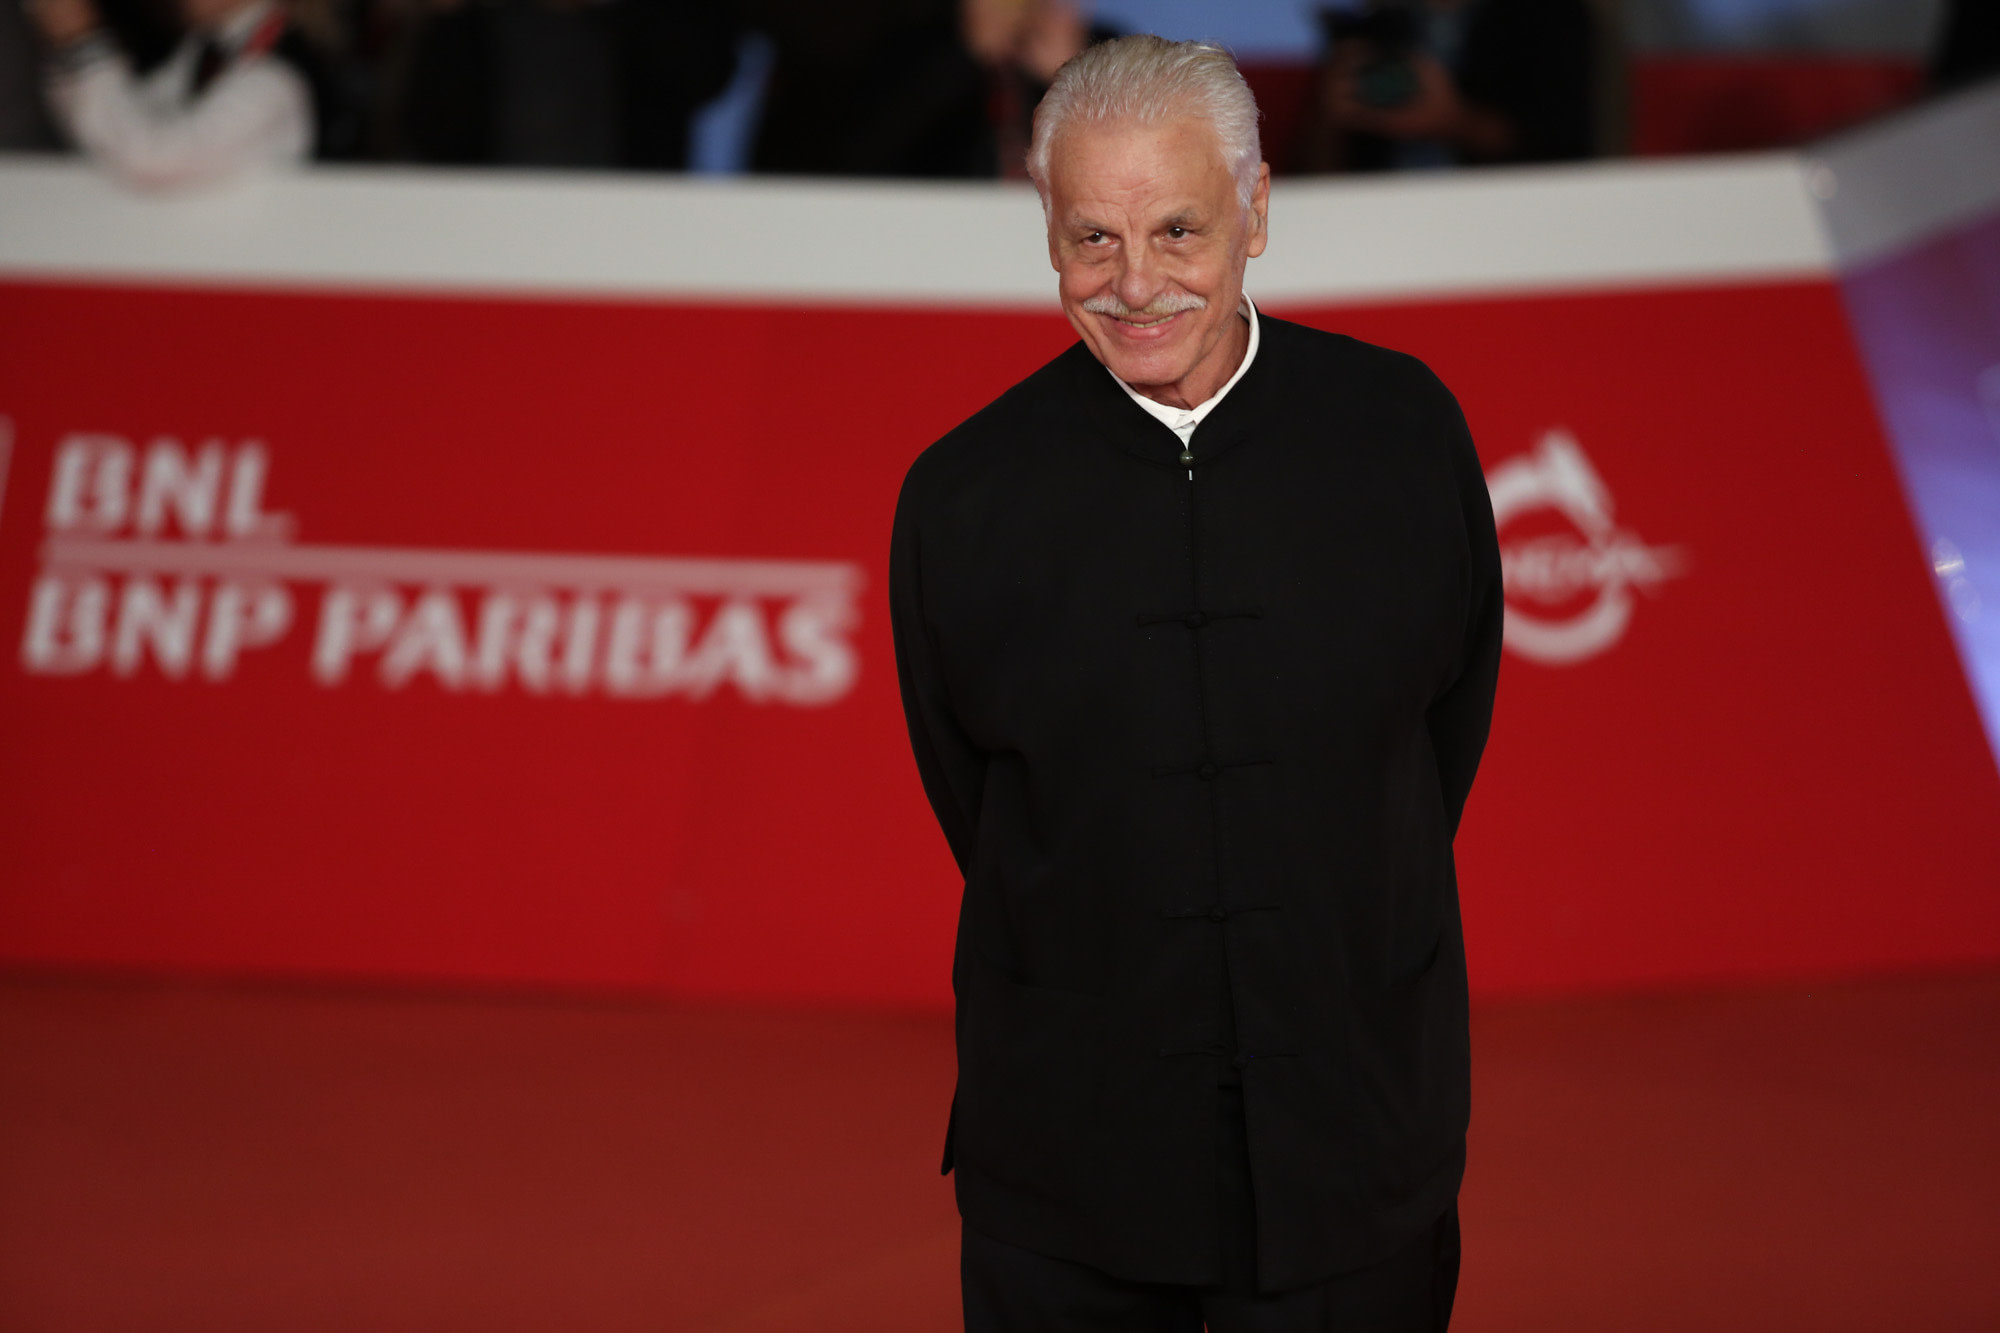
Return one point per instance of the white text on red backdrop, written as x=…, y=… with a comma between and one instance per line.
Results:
x=166, y=555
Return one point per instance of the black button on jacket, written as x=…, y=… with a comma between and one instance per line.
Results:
x=1200, y=747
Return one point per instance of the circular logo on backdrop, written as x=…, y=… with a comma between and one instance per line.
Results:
x=1571, y=574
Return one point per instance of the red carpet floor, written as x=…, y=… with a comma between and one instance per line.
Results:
x=215, y=1158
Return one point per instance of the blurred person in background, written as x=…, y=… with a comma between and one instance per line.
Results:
x=147, y=31
x=1197, y=630
x=1415, y=84
x=24, y=121
x=871, y=88
x=245, y=90
x=560, y=83
x=1021, y=44
x=1968, y=45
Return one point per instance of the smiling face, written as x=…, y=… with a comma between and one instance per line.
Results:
x=1151, y=239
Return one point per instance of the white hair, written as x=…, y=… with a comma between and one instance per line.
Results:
x=1150, y=80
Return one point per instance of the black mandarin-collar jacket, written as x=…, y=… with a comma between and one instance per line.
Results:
x=1200, y=748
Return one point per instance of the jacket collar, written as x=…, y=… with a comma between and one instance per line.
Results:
x=1122, y=424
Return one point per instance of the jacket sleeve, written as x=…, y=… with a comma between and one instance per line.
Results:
x=257, y=114
x=1462, y=713
x=952, y=768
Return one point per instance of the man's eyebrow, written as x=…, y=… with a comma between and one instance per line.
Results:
x=1182, y=217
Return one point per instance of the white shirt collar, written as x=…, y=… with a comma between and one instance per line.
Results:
x=1182, y=420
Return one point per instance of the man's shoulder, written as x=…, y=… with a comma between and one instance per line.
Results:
x=1050, y=393
x=1354, y=381
x=1335, y=362
x=1025, y=415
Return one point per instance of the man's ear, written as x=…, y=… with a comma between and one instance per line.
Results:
x=1260, y=208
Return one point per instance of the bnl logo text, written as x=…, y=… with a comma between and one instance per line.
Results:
x=108, y=505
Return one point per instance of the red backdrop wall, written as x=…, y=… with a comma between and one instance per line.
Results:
x=1772, y=767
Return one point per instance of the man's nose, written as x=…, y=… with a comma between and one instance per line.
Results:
x=1139, y=279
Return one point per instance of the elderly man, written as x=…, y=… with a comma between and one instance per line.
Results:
x=1197, y=630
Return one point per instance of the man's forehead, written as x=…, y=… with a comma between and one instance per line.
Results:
x=1152, y=171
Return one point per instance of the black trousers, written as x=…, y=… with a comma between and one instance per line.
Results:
x=1007, y=1289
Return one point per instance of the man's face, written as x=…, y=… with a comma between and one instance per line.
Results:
x=1151, y=239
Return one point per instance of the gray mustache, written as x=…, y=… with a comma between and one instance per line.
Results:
x=1166, y=303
